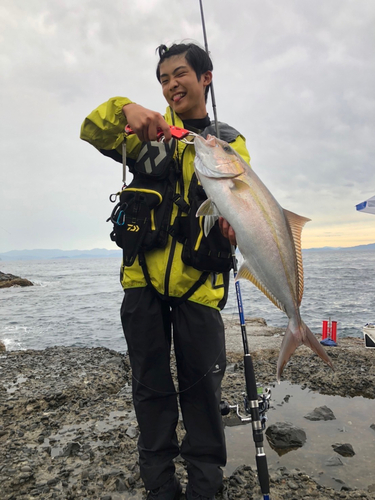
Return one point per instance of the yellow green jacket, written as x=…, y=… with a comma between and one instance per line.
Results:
x=104, y=129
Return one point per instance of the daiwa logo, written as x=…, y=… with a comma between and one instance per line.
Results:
x=156, y=157
x=217, y=369
x=133, y=228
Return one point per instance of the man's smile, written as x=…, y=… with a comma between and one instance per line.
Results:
x=182, y=88
x=177, y=97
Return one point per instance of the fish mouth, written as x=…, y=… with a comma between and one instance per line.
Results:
x=201, y=143
x=204, y=144
x=211, y=141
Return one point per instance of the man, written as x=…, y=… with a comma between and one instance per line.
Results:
x=166, y=296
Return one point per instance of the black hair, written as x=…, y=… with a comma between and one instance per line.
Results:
x=196, y=57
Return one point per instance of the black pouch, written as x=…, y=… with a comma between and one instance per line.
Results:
x=141, y=218
x=154, y=160
x=211, y=253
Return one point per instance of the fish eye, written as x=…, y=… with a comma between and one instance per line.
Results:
x=226, y=148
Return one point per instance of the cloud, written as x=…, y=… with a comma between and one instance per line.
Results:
x=295, y=78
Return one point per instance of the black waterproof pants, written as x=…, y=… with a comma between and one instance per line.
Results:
x=199, y=343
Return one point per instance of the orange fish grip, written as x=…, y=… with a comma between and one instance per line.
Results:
x=181, y=134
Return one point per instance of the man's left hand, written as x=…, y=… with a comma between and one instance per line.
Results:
x=227, y=231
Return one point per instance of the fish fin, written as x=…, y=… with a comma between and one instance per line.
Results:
x=296, y=224
x=245, y=273
x=288, y=346
x=292, y=340
x=209, y=222
x=240, y=184
x=209, y=210
x=208, y=207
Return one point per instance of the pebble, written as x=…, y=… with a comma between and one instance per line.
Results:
x=120, y=486
x=292, y=485
x=346, y=449
x=100, y=461
x=321, y=413
x=333, y=462
x=132, y=432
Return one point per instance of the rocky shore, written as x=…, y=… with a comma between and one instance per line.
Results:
x=68, y=428
x=8, y=280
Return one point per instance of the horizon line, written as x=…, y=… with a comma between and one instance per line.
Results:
x=119, y=249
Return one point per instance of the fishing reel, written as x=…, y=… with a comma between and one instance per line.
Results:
x=264, y=403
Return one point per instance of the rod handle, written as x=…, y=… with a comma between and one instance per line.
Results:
x=251, y=385
x=263, y=476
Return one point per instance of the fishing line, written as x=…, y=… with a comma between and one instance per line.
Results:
x=213, y=100
x=251, y=387
x=5, y=229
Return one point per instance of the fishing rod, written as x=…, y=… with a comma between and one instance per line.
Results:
x=213, y=100
x=252, y=407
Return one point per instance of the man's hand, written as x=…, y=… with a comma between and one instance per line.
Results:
x=227, y=231
x=145, y=122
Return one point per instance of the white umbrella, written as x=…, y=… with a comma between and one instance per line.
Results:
x=367, y=206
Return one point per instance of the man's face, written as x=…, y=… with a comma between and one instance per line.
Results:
x=181, y=88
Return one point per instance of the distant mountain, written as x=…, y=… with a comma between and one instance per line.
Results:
x=100, y=253
x=41, y=254
x=361, y=248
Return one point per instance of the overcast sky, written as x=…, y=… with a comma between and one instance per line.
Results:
x=296, y=77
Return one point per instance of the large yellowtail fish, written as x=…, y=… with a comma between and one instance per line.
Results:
x=268, y=237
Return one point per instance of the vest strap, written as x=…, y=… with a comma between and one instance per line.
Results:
x=175, y=301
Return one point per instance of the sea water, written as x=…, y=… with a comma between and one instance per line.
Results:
x=291, y=403
x=76, y=302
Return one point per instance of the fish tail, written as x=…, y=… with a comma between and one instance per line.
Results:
x=294, y=339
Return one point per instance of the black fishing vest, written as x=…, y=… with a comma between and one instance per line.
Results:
x=142, y=217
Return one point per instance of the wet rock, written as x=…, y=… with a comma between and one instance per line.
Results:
x=132, y=432
x=120, y=485
x=345, y=450
x=284, y=435
x=26, y=468
x=231, y=368
x=80, y=395
x=8, y=280
x=333, y=462
x=321, y=413
x=292, y=485
x=71, y=450
x=344, y=487
x=242, y=480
